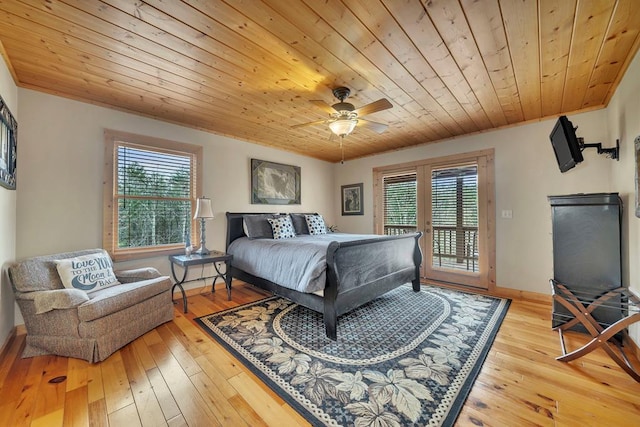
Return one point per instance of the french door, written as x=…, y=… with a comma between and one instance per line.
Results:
x=450, y=200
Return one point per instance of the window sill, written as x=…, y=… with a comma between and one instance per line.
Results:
x=131, y=254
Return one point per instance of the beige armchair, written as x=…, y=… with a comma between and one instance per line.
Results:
x=70, y=322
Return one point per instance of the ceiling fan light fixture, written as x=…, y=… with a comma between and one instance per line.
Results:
x=343, y=127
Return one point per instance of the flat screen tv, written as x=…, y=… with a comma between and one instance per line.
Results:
x=565, y=144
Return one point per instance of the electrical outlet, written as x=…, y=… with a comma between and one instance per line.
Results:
x=507, y=214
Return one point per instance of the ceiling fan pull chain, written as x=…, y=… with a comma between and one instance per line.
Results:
x=342, y=149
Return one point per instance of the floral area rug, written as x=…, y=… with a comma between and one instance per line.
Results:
x=405, y=358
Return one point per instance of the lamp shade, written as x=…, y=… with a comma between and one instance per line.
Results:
x=203, y=208
x=343, y=126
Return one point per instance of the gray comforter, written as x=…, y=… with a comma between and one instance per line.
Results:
x=299, y=263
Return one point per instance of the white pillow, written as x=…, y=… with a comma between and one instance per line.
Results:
x=282, y=227
x=316, y=224
x=88, y=273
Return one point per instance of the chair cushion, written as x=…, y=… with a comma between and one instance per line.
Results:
x=119, y=297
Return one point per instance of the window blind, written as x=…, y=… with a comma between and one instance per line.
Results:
x=400, y=203
x=153, y=193
x=455, y=197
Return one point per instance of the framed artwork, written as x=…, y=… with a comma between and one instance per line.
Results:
x=8, y=147
x=352, y=199
x=274, y=183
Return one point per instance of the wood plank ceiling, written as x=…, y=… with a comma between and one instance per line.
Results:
x=249, y=68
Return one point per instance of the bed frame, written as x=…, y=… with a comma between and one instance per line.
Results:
x=357, y=272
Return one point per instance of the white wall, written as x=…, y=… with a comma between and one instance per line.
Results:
x=624, y=123
x=526, y=173
x=60, y=175
x=9, y=93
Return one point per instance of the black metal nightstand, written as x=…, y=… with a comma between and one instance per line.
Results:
x=215, y=257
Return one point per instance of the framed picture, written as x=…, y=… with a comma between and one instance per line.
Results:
x=8, y=147
x=274, y=183
x=352, y=199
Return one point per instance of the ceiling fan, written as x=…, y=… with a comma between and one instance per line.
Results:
x=344, y=117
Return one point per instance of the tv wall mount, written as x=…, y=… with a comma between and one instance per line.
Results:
x=612, y=153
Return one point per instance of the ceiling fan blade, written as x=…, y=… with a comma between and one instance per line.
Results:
x=317, y=122
x=374, y=126
x=323, y=106
x=374, y=107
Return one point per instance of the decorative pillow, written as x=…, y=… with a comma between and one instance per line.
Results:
x=88, y=273
x=257, y=226
x=282, y=227
x=299, y=223
x=316, y=224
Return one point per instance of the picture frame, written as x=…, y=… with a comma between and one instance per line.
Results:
x=8, y=147
x=352, y=202
x=274, y=183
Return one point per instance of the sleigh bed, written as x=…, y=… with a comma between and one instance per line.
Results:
x=349, y=270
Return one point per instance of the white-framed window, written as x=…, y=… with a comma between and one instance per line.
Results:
x=150, y=191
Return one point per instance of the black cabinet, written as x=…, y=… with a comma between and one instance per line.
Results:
x=587, y=254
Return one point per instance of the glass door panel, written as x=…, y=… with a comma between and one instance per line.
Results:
x=454, y=213
x=456, y=224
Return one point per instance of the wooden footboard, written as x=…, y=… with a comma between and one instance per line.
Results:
x=357, y=272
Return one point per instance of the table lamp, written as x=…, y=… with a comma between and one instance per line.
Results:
x=203, y=212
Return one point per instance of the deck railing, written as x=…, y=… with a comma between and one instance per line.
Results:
x=453, y=247
x=456, y=247
x=394, y=230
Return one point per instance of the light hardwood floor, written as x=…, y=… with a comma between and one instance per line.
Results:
x=177, y=375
